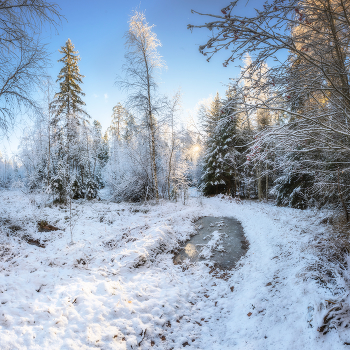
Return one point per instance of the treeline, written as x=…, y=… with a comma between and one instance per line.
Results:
x=281, y=131
x=129, y=169
x=305, y=151
x=11, y=173
x=229, y=163
x=78, y=166
x=144, y=154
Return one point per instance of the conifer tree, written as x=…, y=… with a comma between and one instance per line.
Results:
x=131, y=128
x=118, y=120
x=217, y=162
x=211, y=115
x=223, y=159
x=67, y=104
x=99, y=150
x=71, y=128
x=293, y=185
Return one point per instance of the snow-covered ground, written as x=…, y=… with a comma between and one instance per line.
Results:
x=116, y=287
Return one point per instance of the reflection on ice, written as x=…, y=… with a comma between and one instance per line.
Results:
x=190, y=250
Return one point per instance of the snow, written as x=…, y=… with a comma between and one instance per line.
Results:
x=215, y=243
x=116, y=287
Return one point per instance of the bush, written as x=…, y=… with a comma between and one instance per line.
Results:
x=292, y=189
x=91, y=189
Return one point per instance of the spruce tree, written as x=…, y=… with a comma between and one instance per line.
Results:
x=223, y=159
x=217, y=162
x=293, y=186
x=67, y=104
x=99, y=150
x=70, y=127
x=210, y=116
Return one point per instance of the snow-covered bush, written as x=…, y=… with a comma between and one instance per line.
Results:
x=77, y=188
x=91, y=189
x=293, y=190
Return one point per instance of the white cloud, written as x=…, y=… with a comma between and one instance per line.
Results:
x=106, y=96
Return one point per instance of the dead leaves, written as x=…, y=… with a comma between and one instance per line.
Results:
x=45, y=227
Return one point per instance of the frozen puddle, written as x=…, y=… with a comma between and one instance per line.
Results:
x=219, y=240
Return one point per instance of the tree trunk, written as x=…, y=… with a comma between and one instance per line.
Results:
x=49, y=135
x=342, y=200
x=154, y=165
x=236, y=188
x=169, y=172
x=267, y=184
x=152, y=132
x=258, y=175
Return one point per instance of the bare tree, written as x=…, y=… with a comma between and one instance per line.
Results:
x=174, y=106
x=23, y=57
x=142, y=64
x=48, y=97
x=312, y=83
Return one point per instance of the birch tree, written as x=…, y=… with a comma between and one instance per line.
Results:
x=143, y=62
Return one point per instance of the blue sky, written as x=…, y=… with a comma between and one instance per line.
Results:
x=96, y=28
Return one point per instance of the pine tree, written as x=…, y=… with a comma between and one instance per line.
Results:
x=131, y=128
x=118, y=121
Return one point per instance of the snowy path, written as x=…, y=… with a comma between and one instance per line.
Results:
x=117, y=287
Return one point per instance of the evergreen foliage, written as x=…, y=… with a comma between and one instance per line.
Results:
x=68, y=103
x=293, y=189
x=222, y=157
x=67, y=160
x=297, y=184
